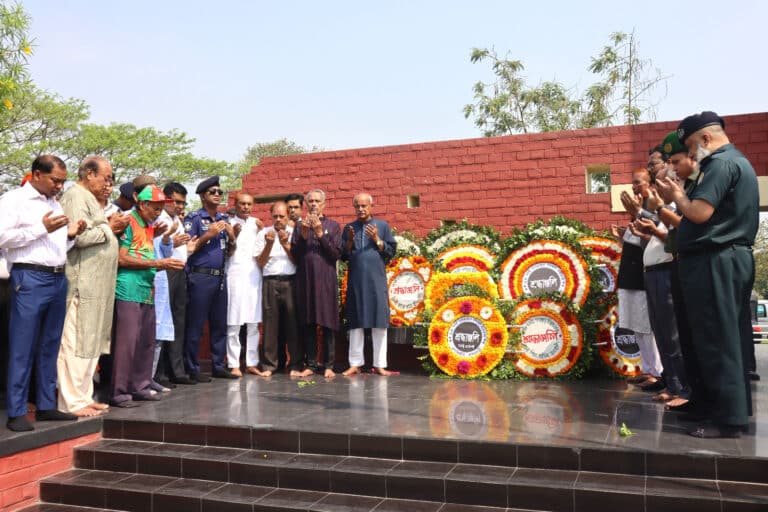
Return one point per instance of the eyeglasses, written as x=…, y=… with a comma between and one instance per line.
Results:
x=216, y=192
x=180, y=203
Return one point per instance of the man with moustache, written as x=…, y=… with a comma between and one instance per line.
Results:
x=715, y=237
x=206, y=281
x=244, y=290
x=134, y=334
x=36, y=235
x=316, y=247
x=91, y=273
x=295, y=202
x=367, y=244
x=273, y=255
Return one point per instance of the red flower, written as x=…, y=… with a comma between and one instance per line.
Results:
x=437, y=335
x=466, y=307
x=535, y=304
x=397, y=321
x=463, y=367
x=443, y=359
x=496, y=339
x=481, y=361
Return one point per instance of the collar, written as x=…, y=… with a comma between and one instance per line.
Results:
x=135, y=214
x=31, y=192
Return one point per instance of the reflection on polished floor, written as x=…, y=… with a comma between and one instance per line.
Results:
x=584, y=414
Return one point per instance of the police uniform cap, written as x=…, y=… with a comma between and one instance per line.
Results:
x=126, y=190
x=672, y=144
x=696, y=122
x=207, y=183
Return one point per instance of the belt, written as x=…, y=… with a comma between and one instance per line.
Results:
x=282, y=277
x=209, y=271
x=40, y=268
x=660, y=266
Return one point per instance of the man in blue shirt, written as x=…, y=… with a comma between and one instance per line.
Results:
x=206, y=282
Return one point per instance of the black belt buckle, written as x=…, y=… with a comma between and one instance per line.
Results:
x=40, y=268
x=209, y=271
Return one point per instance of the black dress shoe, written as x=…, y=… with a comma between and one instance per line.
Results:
x=183, y=380
x=716, y=431
x=223, y=374
x=753, y=376
x=656, y=386
x=19, y=424
x=54, y=415
x=199, y=377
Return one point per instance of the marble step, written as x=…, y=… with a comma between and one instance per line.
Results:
x=439, y=482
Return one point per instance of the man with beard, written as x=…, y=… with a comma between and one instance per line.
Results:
x=316, y=247
x=720, y=221
x=134, y=340
x=367, y=244
x=206, y=281
x=91, y=272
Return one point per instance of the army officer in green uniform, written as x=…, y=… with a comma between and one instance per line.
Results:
x=717, y=271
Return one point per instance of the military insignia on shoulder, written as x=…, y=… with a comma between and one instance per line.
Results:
x=187, y=225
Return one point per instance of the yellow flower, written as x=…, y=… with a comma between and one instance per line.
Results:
x=27, y=50
x=8, y=103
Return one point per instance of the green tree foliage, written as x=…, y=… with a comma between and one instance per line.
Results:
x=254, y=154
x=15, y=47
x=39, y=122
x=133, y=151
x=761, y=260
x=623, y=93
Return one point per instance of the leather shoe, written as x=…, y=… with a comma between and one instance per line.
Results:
x=54, y=415
x=199, y=377
x=223, y=374
x=19, y=424
x=655, y=386
x=183, y=380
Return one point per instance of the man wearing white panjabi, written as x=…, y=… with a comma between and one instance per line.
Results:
x=243, y=290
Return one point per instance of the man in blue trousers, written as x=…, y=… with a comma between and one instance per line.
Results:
x=206, y=282
x=36, y=235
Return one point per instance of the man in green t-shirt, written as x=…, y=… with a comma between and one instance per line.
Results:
x=715, y=237
x=134, y=325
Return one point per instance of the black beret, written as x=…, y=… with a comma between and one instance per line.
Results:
x=206, y=184
x=696, y=122
x=126, y=190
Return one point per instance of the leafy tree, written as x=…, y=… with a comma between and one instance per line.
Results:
x=254, y=154
x=761, y=260
x=15, y=47
x=133, y=151
x=509, y=105
x=39, y=122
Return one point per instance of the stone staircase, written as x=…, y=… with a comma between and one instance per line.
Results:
x=165, y=467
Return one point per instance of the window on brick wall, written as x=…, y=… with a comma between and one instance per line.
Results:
x=598, y=179
x=413, y=201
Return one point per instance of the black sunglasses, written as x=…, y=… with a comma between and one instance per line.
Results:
x=216, y=192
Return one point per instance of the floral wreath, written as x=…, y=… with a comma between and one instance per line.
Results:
x=488, y=411
x=406, y=244
x=442, y=282
x=466, y=257
x=559, y=258
x=461, y=233
x=611, y=356
x=486, y=344
x=407, y=277
x=607, y=253
x=344, y=282
x=561, y=338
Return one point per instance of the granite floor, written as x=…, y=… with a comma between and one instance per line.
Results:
x=583, y=414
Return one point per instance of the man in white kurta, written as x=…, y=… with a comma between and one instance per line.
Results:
x=243, y=290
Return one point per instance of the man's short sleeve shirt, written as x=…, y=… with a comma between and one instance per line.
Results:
x=137, y=285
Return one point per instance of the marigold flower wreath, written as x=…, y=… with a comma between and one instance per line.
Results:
x=407, y=277
x=616, y=359
x=467, y=337
x=441, y=283
x=560, y=260
x=551, y=337
x=467, y=258
x=462, y=233
x=607, y=254
x=451, y=404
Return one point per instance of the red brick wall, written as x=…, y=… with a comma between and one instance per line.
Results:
x=21, y=472
x=502, y=181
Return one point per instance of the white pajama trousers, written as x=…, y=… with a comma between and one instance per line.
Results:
x=251, y=345
x=356, y=343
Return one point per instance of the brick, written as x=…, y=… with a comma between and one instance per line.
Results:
x=15, y=478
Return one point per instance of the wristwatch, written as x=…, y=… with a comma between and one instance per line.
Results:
x=380, y=244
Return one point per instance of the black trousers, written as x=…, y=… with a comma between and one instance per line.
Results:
x=171, y=365
x=309, y=335
x=279, y=318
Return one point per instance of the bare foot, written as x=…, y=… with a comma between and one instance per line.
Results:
x=308, y=372
x=99, y=406
x=236, y=372
x=329, y=374
x=296, y=374
x=86, y=412
x=266, y=373
x=352, y=370
x=676, y=402
x=662, y=397
x=384, y=372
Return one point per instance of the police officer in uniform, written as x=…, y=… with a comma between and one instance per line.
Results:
x=206, y=282
x=717, y=271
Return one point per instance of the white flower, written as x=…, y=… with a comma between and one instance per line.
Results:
x=406, y=263
x=448, y=316
x=486, y=313
x=410, y=315
x=425, y=272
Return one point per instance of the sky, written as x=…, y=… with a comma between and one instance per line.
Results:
x=347, y=74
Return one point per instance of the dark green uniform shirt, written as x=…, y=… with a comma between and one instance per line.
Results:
x=729, y=184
